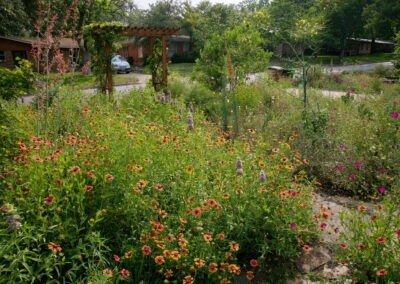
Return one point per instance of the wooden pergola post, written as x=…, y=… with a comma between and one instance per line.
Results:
x=164, y=62
x=151, y=44
x=109, y=75
x=147, y=32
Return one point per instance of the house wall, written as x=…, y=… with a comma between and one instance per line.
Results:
x=134, y=52
x=284, y=49
x=8, y=46
x=139, y=51
x=379, y=47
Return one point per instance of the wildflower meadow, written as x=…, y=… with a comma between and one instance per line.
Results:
x=248, y=145
x=147, y=191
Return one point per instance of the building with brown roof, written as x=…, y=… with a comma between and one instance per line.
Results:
x=135, y=50
x=12, y=47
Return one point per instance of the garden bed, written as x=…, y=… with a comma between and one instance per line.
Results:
x=128, y=192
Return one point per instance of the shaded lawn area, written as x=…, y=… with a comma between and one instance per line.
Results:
x=87, y=81
x=183, y=69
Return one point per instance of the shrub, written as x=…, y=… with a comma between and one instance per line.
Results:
x=197, y=94
x=10, y=132
x=373, y=241
x=231, y=56
x=179, y=86
x=188, y=57
x=14, y=83
x=382, y=71
x=355, y=150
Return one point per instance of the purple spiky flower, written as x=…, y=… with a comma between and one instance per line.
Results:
x=190, y=122
x=239, y=164
x=191, y=108
x=263, y=178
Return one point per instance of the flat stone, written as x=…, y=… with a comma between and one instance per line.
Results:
x=303, y=281
x=337, y=272
x=309, y=261
x=331, y=233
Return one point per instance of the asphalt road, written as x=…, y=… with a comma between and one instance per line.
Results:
x=359, y=67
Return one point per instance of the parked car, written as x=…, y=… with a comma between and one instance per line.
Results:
x=120, y=64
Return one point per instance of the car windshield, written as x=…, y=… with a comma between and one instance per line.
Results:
x=119, y=58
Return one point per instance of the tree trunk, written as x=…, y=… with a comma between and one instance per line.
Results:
x=372, y=51
x=109, y=75
x=164, y=62
x=342, y=49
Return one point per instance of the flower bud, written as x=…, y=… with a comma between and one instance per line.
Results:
x=239, y=164
x=191, y=108
x=14, y=225
x=190, y=123
x=13, y=218
x=263, y=178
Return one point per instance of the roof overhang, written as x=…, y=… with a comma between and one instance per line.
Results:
x=149, y=31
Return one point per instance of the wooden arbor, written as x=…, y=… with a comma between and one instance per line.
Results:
x=152, y=33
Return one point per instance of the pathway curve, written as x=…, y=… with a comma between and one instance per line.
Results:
x=119, y=89
x=359, y=67
x=325, y=93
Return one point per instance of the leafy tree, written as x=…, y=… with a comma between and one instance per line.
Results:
x=382, y=19
x=231, y=56
x=285, y=13
x=295, y=24
x=108, y=10
x=164, y=13
x=251, y=6
x=135, y=16
x=207, y=19
x=343, y=20
x=12, y=11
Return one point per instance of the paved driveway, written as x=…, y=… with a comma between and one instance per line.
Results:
x=359, y=67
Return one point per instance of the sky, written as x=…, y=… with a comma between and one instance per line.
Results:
x=144, y=4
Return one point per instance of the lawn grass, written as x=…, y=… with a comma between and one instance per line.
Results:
x=372, y=58
x=88, y=81
x=183, y=69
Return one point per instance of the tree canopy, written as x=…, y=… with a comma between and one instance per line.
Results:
x=304, y=24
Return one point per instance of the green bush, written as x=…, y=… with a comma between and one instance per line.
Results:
x=230, y=57
x=382, y=71
x=14, y=83
x=197, y=94
x=372, y=241
x=179, y=86
x=188, y=57
x=10, y=132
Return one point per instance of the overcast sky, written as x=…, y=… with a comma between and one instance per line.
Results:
x=144, y=4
